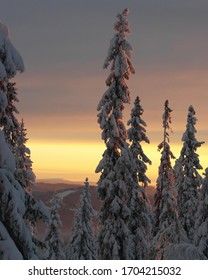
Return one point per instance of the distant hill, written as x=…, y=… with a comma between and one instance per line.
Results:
x=56, y=181
x=45, y=191
x=44, y=187
x=60, y=181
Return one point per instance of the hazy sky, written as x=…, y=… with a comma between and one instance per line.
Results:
x=64, y=43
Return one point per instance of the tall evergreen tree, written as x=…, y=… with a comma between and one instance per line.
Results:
x=24, y=172
x=137, y=134
x=15, y=236
x=165, y=176
x=188, y=180
x=140, y=220
x=82, y=243
x=168, y=229
x=16, y=137
x=201, y=218
x=116, y=165
x=10, y=63
x=36, y=210
x=11, y=126
x=53, y=239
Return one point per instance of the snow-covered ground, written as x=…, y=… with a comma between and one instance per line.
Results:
x=63, y=194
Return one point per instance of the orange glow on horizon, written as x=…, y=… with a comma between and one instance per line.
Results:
x=76, y=161
x=70, y=161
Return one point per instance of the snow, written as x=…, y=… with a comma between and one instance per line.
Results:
x=116, y=164
x=125, y=222
x=183, y=251
x=17, y=59
x=4, y=30
x=13, y=61
x=188, y=179
x=7, y=159
x=201, y=219
x=3, y=73
x=8, y=249
x=53, y=240
x=63, y=194
x=81, y=244
x=30, y=175
x=13, y=208
x=3, y=103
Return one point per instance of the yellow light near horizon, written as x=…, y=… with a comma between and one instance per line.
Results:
x=76, y=161
x=73, y=162
x=154, y=155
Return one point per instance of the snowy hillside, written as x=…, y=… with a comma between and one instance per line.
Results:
x=70, y=194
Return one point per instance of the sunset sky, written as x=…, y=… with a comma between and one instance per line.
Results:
x=64, y=43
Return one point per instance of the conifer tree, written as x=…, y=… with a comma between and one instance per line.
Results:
x=15, y=236
x=82, y=243
x=201, y=218
x=10, y=63
x=11, y=126
x=188, y=180
x=16, y=136
x=140, y=220
x=137, y=134
x=53, y=239
x=116, y=165
x=168, y=229
x=36, y=210
x=166, y=174
x=24, y=171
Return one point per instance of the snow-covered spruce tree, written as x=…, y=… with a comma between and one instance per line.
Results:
x=141, y=219
x=188, y=180
x=184, y=251
x=11, y=125
x=16, y=136
x=168, y=229
x=13, y=206
x=81, y=244
x=15, y=236
x=10, y=63
x=137, y=134
x=24, y=172
x=166, y=174
x=201, y=218
x=10, y=60
x=139, y=223
x=16, y=133
x=116, y=165
x=35, y=210
x=53, y=239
